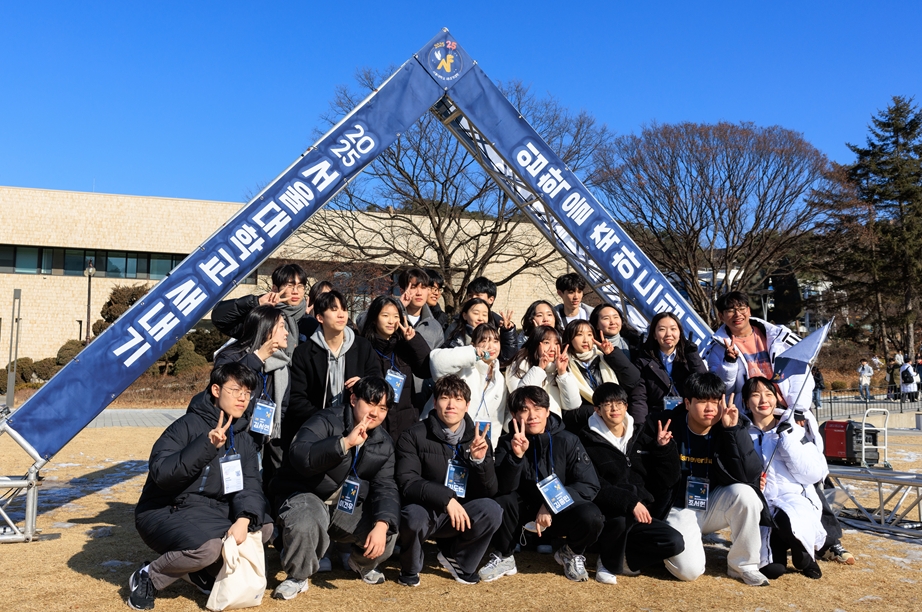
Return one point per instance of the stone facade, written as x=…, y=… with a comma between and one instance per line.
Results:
x=52, y=304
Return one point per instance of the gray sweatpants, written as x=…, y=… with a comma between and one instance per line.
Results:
x=308, y=526
x=171, y=566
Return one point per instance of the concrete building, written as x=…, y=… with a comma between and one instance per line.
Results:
x=48, y=237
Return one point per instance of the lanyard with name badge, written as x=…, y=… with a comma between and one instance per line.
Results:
x=456, y=475
x=552, y=490
x=263, y=412
x=231, y=469
x=479, y=421
x=672, y=399
x=394, y=377
x=350, y=489
x=696, y=488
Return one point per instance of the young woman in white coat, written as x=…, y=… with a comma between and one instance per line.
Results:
x=478, y=366
x=544, y=363
x=793, y=465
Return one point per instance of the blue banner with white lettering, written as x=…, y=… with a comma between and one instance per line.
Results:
x=565, y=196
x=85, y=386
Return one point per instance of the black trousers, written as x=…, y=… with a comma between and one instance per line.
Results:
x=640, y=544
x=782, y=539
x=580, y=524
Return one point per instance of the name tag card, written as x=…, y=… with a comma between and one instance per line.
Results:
x=481, y=426
x=456, y=478
x=555, y=494
x=232, y=474
x=349, y=496
x=396, y=380
x=696, y=494
x=263, y=414
x=670, y=402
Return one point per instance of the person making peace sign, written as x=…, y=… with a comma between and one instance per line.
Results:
x=203, y=485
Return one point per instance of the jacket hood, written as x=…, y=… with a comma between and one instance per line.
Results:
x=203, y=406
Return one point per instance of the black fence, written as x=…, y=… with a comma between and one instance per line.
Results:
x=848, y=403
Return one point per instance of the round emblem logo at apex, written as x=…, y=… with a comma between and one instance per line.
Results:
x=445, y=60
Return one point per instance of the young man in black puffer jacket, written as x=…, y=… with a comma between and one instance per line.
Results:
x=446, y=477
x=546, y=483
x=632, y=538
x=192, y=499
x=337, y=483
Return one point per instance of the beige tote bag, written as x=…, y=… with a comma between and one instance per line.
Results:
x=241, y=583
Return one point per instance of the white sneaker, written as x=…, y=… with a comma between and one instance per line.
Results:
x=603, y=575
x=752, y=578
x=290, y=588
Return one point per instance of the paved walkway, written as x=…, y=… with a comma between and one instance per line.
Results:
x=136, y=417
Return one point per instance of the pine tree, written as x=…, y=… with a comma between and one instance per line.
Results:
x=888, y=177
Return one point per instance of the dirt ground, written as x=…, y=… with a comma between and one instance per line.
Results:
x=89, y=547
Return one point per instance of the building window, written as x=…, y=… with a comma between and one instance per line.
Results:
x=7, y=258
x=116, y=266
x=160, y=266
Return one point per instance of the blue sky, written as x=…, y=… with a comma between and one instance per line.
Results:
x=210, y=99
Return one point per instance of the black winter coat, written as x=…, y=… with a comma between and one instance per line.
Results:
x=571, y=464
x=185, y=469
x=734, y=457
x=654, y=385
x=316, y=464
x=309, y=384
x=411, y=358
x=623, y=477
x=422, y=463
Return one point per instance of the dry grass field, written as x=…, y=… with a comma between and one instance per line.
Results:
x=89, y=547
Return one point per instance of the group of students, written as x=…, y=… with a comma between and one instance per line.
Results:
x=408, y=425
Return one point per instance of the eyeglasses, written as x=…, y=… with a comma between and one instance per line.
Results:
x=613, y=406
x=729, y=312
x=435, y=289
x=236, y=392
x=291, y=286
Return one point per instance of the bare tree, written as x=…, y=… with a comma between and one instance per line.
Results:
x=726, y=199
x=426, y=202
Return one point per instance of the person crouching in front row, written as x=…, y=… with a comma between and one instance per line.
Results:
x=446, y=477
x=633, y=537
x=337, y=484
x=546, y=485
x=203, y=484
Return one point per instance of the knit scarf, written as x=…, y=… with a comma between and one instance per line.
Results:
x=452, y=437
x=292, y=315
x=586, y=359
x=336, y=366
x=618, y=342
x=277, y=364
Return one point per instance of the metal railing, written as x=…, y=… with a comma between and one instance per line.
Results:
x=848, y=403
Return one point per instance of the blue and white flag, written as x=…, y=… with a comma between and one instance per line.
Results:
x=792, y=370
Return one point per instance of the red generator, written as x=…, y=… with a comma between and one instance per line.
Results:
x=843, y=442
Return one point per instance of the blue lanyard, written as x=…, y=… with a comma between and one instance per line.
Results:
x=391, y=358
x=454, y=450
x=707, y=466
x=230, y=431
x=592, y=381
x=550, y=441
x=265, y=383
x=354, y=461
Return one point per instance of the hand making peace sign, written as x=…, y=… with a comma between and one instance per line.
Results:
x=519, y=440
x=606, y=347
x=479, y=445
x=408, y=331
x=663, y=435
x=217, y=435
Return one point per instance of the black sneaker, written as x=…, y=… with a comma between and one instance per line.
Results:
x=452, y=566
x=142, y=591
x=410, y=580
x=201, y=580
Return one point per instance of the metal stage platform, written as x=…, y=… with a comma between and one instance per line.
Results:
x=891, y=500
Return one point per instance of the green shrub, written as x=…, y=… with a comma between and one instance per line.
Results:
x=24, y=369
x=207, y=341
x=70, y=350
x=188, y=360
x=45, y=368
x=839, y=385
